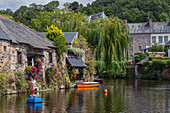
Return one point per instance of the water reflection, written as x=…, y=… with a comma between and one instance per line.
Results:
x=123, y=96
x=34, y=107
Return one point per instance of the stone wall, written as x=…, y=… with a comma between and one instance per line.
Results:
x=8, y=53
x=135, y=44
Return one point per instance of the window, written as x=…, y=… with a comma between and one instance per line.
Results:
x=139, y=40
x=165, y=39
x=131, y=49
x=146, y=39
x=50, y=58
x=19, y=57
x=131, y=39
x=153, y=39
x=140, y=48
x=160, y=39
x=5, y=48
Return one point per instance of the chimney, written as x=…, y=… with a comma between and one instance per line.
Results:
x=150, y=22
x=125, y=21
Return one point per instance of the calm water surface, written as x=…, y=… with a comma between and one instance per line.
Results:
x=124, y=96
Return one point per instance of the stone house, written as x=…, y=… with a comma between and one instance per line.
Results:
x=144, y=35
x=168, y=49
x=19, y=45
x=96, y=16
x=70, y=58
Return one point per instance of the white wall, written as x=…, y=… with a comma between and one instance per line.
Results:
x=157, y=37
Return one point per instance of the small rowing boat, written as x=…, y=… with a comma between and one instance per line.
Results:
x=87, y=84
x=99, y=80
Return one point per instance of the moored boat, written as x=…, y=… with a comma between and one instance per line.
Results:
x=87, y=84
x=99, y=80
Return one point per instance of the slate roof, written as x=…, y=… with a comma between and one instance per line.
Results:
x=168, y=43
x=69, y=36
x=99, y=15
x=21, y=34
x=156, y=27
x=76, y=62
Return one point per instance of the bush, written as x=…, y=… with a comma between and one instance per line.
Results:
x=158, y=58
x=139, y=57
x=31, y=72
x=157, y=64
x=77, y=51
x=168, y=64
x=38, y=64
x=3, y=81
x=157, y=48
x=50, y=74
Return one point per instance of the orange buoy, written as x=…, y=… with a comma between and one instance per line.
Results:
x=105, y=91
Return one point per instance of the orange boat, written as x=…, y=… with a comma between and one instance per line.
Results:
x=87, y=84
x=87, y=88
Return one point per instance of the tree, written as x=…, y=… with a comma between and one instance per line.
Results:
x=7, y=12
x=66, y=5
x=74, y=6
x=51, y=5
x=56, y=35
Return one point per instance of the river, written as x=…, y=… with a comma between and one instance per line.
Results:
x=124, y=96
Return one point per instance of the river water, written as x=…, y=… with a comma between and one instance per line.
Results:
x=124, y=96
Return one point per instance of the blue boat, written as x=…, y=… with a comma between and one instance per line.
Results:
x=34, y=107
x=96, y=77
x=33, y=99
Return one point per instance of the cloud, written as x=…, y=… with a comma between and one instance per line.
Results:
x=15, y=4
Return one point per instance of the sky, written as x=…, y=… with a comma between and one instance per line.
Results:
x=15, y=4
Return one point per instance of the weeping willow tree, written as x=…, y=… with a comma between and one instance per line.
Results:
x=109, y=37
x=111, y=40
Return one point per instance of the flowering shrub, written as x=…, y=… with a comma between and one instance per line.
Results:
x=31, y=72
x=50, y=73
x=92, y=71
x=74, y=73
x=32, y=85
x=38, y=64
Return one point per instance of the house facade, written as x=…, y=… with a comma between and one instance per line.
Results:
x=19, y=45
x=144, y=35
x=70, y=58
x=96, y=16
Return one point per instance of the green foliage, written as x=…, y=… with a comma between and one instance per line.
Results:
x=7, y=12
x=157, y=64
x=3, y=81
x=109, y=37
x=158, y=58
x=75, y=6
x=20, y=80
x=50, y=74
x=139, y=57
x=77, y=51
x=56, y=35
x=157, y=48
x=156, y=69
x=51, y=5
x=168, y=64
x=132, y=10
x=24, y=14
